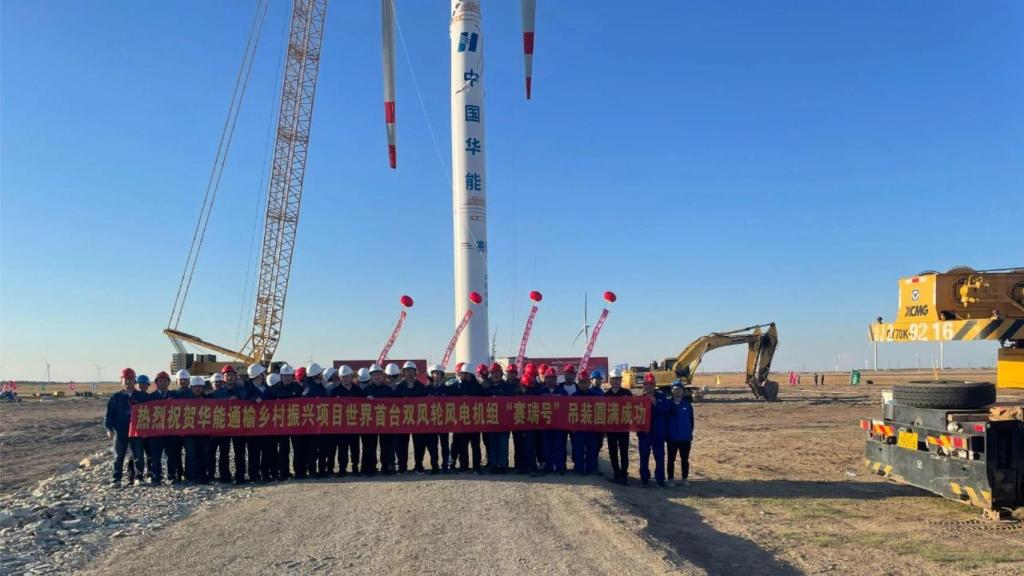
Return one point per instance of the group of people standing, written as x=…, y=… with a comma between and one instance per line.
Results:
x=202, y=459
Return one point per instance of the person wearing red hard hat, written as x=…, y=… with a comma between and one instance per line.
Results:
x=585, y=443
x=618, y=442
x=653, y=440
x=161, y=444
x=497, y=442
x=554, y=440
x=221, y=447
x=117, y=420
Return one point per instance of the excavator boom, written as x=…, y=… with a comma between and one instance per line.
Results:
x=761, y=349
x=761, y=341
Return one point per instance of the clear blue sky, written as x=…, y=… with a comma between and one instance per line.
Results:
x=717, y=164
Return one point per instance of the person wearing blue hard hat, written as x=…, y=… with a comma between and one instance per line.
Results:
x=138, y=461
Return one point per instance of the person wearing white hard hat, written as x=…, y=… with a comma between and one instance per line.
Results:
x=278, y=447
x=331, y=380
x=175, y=445
x=290, y=388
x=464, y=385
x=217, y=465
x=363, y=378
x=368, y=442
x=197, y=448
x=262, y=462
x=306, y=460
x=378, y=390
x=328, y=442
x=410, y=387
x=347, y=445
x=183, y=377
x=436, y=389
x=390, y=443
x=618, y=442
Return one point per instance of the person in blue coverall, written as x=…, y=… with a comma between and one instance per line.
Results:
x=585, y=444
x=680, y=431
x=118, y=417
x=653, y=441
x=554, y=440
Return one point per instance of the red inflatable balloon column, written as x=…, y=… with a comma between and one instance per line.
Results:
x=406, y=301
x=609, y=297
x=536, y=296
x=475, y=297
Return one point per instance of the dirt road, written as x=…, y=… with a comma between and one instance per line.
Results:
x=776, y=489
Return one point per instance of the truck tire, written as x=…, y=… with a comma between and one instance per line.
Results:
x=951, y=394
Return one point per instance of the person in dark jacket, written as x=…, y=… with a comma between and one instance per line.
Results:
x=526, y=463
x=497, y=442
x=347, y=444
x=161, y=444
x=390, y=444
x=307, y=446
x=258, y=448
x=407, y=387
x=436, y=389
x=197, y=448
x=476, y=387
x=329, y=441
x=290, y=388
x=513, y=381
x=140, y=395
x=680, y=431
x=585, y=443
x=618, y=442
x=231, y=391
x=460, y=440
x=379, y=390
x=116, y=421
x=411, y=387
x=554, y=440
x=176, y=444
x=653, y=441
x=369, y=384
x=217, y=467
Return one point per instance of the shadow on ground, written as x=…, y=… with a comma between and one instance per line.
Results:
x=682, y=530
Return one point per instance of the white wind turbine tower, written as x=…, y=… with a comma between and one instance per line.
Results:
x=99, y=377
x=47, y=362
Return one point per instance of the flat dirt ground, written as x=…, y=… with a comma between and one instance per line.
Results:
x=38, y=437
x=775, y=489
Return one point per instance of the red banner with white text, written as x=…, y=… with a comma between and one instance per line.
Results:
x=384, y=416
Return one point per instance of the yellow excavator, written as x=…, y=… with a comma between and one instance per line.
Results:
x=761, y=345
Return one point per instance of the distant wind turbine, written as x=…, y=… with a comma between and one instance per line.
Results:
x=585, y=331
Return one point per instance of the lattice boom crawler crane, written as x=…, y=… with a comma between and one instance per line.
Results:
x=291, y=142
x=949, y=437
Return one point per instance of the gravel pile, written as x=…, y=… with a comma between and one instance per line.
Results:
x=65, y=521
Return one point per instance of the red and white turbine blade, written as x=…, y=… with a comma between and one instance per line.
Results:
x=529, y=8
x=387, y=11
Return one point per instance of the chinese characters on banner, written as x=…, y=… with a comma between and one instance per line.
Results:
x=415, y=415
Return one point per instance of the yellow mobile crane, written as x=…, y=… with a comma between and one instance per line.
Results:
x=761, y=347
x=963, y=304
x=946, y=436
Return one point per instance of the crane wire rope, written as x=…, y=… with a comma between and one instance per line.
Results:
x=220, y=160
x=430, y=128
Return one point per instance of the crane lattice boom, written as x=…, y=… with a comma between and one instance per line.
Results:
x=289, y=166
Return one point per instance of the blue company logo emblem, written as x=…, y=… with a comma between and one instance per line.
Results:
x=914, y=295
x=467, y=41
